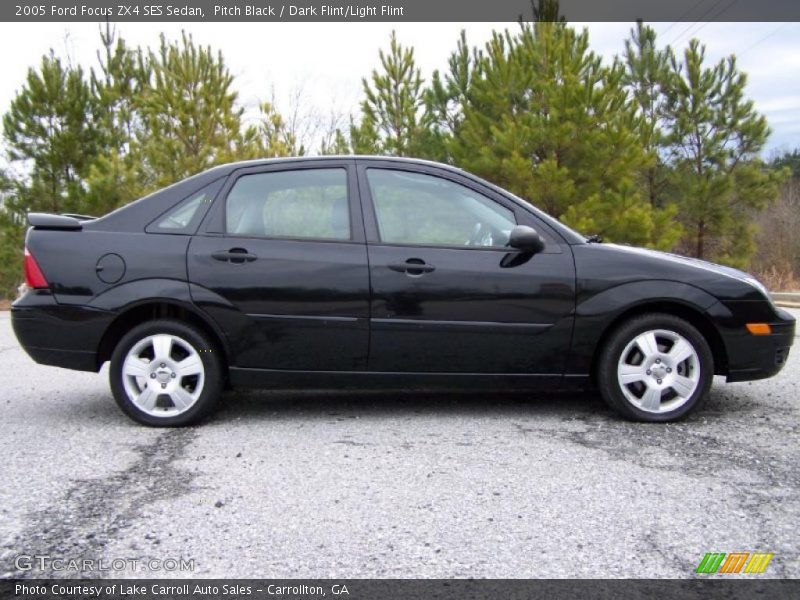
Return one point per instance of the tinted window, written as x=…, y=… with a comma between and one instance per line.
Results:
x=186, y=216
x=412, y=208
x=307, y=203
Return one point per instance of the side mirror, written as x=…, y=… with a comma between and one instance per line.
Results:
x=526, y=239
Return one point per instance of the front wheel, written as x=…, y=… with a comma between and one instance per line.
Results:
x=165, y=373
x=655, y=367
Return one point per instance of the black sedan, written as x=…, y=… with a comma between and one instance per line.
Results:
x=374, y=272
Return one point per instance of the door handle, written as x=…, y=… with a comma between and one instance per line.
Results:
x=413, y=267
x=234, y=255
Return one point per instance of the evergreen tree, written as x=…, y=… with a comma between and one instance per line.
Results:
x=190, y=119
x=393, y=106
x=788, y=160
x=715, y=138
x=337, y=144
x=51, y=129
x=545, y=119
x=646, y=72
x=12, y=230
x=270, y=138
x=118, y=84
x=445, y=100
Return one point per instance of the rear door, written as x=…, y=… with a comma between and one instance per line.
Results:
x=281, y=265
x=448, y=296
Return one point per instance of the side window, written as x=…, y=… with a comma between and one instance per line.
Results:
x=305, y=203
x=186, y=216
x=417, y=209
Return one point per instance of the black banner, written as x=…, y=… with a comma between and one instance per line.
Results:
x=390, y=589
x=394, y=10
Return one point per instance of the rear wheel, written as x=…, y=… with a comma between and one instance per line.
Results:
x=165, y=373
x=655, y=367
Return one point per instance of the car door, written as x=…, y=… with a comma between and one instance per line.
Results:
x=448, y=295
x=281, y=265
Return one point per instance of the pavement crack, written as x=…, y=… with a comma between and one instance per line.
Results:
x=91, y=513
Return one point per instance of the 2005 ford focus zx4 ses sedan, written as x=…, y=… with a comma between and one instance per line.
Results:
x=338, y=272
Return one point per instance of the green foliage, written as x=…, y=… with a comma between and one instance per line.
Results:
x=714, y=140
x=336, y=145
x=116, y=177
x=646, y=71
x=188, y=110
x=11, y=241
x=50, y=127
x=790, y=161
x=544, y=118
x=270, y=138
x=392, y=120
x=446, y=98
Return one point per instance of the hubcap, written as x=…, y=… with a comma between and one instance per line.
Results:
x=658, y=371
x=163, y=375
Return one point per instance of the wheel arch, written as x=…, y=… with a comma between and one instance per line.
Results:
x=694, y=316
x=151, y=310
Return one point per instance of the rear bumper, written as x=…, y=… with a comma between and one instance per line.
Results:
x=752, y=357
x=58, y=335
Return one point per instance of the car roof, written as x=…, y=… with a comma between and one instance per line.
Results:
x=333, y=157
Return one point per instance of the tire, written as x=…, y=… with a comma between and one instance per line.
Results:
x=166, y=373
x=655, y=368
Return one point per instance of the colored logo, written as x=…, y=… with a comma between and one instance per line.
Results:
x=735, y=562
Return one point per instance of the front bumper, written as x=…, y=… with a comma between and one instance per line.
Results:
x=751, y=357
x=58, y=335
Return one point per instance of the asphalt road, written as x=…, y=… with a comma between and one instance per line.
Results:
x=394, y=485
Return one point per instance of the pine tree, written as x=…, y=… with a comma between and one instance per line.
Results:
x=190, y=119
x=790, y=161
x=393, y=106
x=336, y=144
x=545, y=119
x=270, y=138
x=445, y=100
x=715, y=139
x=12, y=226
x=118, y=84
x=646, y=73
x=51, y=127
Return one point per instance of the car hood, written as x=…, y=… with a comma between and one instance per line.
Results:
x=687, y=261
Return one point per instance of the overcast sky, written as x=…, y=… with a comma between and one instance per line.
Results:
x=325, y=61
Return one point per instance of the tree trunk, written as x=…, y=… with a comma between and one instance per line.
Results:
x=701, y=234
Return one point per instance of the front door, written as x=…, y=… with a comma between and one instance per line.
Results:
x=282, y=267
x=448, y=296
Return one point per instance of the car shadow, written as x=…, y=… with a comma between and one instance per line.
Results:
x=349, y=404
x=270, y=405
x=344, y=404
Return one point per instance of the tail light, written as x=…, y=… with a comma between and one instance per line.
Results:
x=34, y=277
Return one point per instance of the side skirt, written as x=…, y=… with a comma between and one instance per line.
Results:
x=285, y=379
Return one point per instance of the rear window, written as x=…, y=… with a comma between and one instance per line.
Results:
x=187, y=214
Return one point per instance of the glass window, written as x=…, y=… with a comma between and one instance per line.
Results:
x=186, y=216
x=418, y=209
x=307, y=203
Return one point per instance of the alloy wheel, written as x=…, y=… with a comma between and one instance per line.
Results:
x=163, y=375
x=658, y=371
